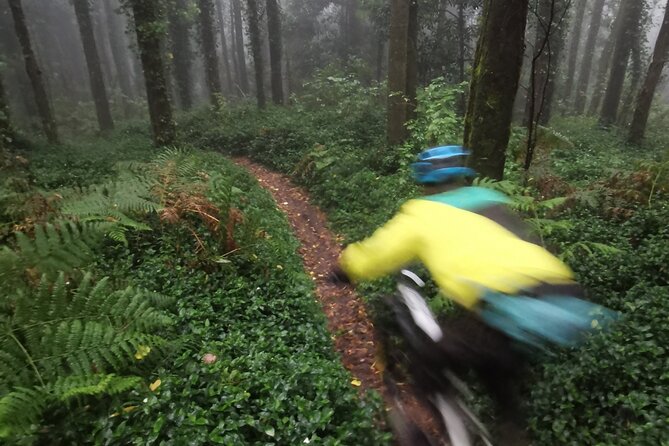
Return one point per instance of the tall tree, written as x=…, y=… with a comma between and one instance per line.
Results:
x=275, y=49
x=239, y=44
x=604, y=65
x=548, y=43
x=573, y=48
x=83, y=12
x=631, y=12
x=647, y=92
x=588, y=56
x=256, y=50
x=34, y=72
x=496, y=73
x=182, y=55
x=225, y=56
x=149, y=28
x=208, y=42
x=402, y=69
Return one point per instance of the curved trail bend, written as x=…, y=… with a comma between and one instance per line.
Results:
x=352, y=330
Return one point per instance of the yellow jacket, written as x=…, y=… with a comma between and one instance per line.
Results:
x=465, y=252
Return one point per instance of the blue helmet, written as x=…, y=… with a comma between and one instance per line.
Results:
x=442, y=164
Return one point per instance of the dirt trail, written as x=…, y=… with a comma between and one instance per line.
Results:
x=352, y=330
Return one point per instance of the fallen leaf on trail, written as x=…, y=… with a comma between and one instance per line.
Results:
x=356, y=383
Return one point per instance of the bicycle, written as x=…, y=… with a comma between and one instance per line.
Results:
x=421, y=332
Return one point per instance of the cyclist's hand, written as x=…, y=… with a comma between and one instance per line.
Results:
x=338, y=277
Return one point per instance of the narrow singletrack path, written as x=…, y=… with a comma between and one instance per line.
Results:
x=352, y=330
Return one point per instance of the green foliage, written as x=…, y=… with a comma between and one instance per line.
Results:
x=53, y=248
x=437, y=122
x=59, y=342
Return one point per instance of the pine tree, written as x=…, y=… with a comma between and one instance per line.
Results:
x=208, y=42
x=402, y=69
x=182, y=55
x=225, y=55
x=120, y=53
x=239, y=46
x=34, y=72
x=149, y=25
x=630, y=11
x=647, y=92
x=256, y=50
x=575, y=42
x=588, y=56
x=83, y=12
x=275, y=49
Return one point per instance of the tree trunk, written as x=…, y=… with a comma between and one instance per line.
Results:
x=208, y=41
x=588, y=56
x=224, y=48
x=239, y=43
x=120, y=53
x=402, y=71
x=149, y=30
x=496, y=72
x=635, y=80
x=83, y=13
x=275, y=49
x=603, y=69
x=631, y=11
x=233, y=52
x=34, y=72
x=182, y=54
x=647, y=92
x=547, y=46
x=573, y=49
x=256, y=50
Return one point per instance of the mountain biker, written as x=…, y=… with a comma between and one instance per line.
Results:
x=473, y=247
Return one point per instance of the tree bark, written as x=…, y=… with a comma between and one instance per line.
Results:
x=402, y=70
x=34, y=72
x=233, y=52
x=496, y=72
x=588, y=56
x=603, y=68
x=573, y=49
x=224, y=48
x=631, y=11
x=239, y=43
x=98, y=90
x=182, y=54
x=256, y=50
x=275, y=49
x=208, y=42
x=647, y=92
x=149, y=24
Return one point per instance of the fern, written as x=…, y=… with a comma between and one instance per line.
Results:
x=58, y=342
x=112, y=204
x=21, y=409
x=58, y=247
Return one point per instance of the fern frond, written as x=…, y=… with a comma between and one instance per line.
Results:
x=74, y=386
x=55, y=248
x=20, y=410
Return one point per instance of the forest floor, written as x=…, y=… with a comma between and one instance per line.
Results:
x=353, y=332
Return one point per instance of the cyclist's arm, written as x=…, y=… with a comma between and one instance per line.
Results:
x=388, y=249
